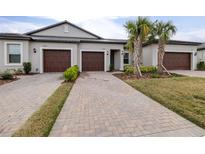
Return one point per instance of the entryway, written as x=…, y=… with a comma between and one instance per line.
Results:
x=114, y=59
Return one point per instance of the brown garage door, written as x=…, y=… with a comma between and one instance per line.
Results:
x=56, y=60
x=177, y=61
x=92, y=61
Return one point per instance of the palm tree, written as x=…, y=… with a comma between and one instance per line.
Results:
x=138, y=32
x=163, y=32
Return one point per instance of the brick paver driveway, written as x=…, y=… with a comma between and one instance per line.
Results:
x=102, y=105
x=19, y=99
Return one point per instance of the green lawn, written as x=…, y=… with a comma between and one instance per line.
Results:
x=183, y=95
x=41, y=122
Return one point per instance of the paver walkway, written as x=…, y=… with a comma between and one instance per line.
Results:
x=190, y=73
x=100, y=104
x=19, y=99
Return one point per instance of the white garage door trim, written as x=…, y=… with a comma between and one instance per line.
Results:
x=86, y=50
x=53, y=48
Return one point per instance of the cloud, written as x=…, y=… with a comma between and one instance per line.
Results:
x=102, y=26
x=8, y=26
x=191, y=35
x=105, y=27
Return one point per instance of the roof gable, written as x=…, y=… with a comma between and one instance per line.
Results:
x=59, y=30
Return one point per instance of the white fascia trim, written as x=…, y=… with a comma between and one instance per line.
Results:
x=5, y=54
x=86, y=50
x=54, y=48
x=177, y=51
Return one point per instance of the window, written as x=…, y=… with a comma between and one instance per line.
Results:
x=13, y=53
x=126, y=58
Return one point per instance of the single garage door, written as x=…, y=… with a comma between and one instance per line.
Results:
x=56, y=60
x=92, y=61
x=177, y=61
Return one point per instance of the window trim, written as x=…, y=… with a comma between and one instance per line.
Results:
x=127, y=58
x=6, y=54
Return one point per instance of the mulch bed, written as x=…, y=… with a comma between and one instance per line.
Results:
x=7, y=81
x=123, y=76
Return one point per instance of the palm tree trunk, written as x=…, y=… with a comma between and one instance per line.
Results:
x=161, y=52
x=136, y=58
x=140, y=51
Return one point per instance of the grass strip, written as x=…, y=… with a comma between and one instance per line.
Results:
x=42, y=121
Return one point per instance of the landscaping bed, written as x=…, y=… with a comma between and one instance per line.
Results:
x=124, y=76
x=7, y=81
x=183, y=95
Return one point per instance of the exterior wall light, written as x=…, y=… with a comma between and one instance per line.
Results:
x=34, y=50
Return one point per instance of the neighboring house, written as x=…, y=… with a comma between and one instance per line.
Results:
x=179, y=55
x=201, y=53
x=57, y=47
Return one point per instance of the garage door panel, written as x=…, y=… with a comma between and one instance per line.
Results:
x=56, y=60
x=174, y=61
x=92, y=61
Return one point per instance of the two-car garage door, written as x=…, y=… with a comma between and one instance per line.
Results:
x=60, y=60
x=177, y=61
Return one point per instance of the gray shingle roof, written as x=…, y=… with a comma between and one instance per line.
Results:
x=14, y=36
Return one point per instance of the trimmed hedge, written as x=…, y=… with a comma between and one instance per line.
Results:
x=71, y=73
x=148, y=69
x=129, y=69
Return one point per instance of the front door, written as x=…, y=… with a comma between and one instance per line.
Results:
x=112, y=59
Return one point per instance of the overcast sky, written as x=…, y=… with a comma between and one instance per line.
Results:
x=188, y=28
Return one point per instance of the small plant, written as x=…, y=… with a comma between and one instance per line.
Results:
x=111, y=67
x=6, y=75
x=155, y=75
x=19, y=71
x=148, y=69
x=201, y=65
x=71, y=73
x=27, y=67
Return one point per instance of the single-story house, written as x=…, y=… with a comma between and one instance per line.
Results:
x=201, y=53
x=57, y=47
x=179, y=55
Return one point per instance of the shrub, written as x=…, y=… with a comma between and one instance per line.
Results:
x=6, y=75
x=19, y=71
x=111, y=67
x=127, y=66
x=27, y=67
x=155, y=75
x=129, y=69
x=148, y=69
x=71, y=73
x=201, y=65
